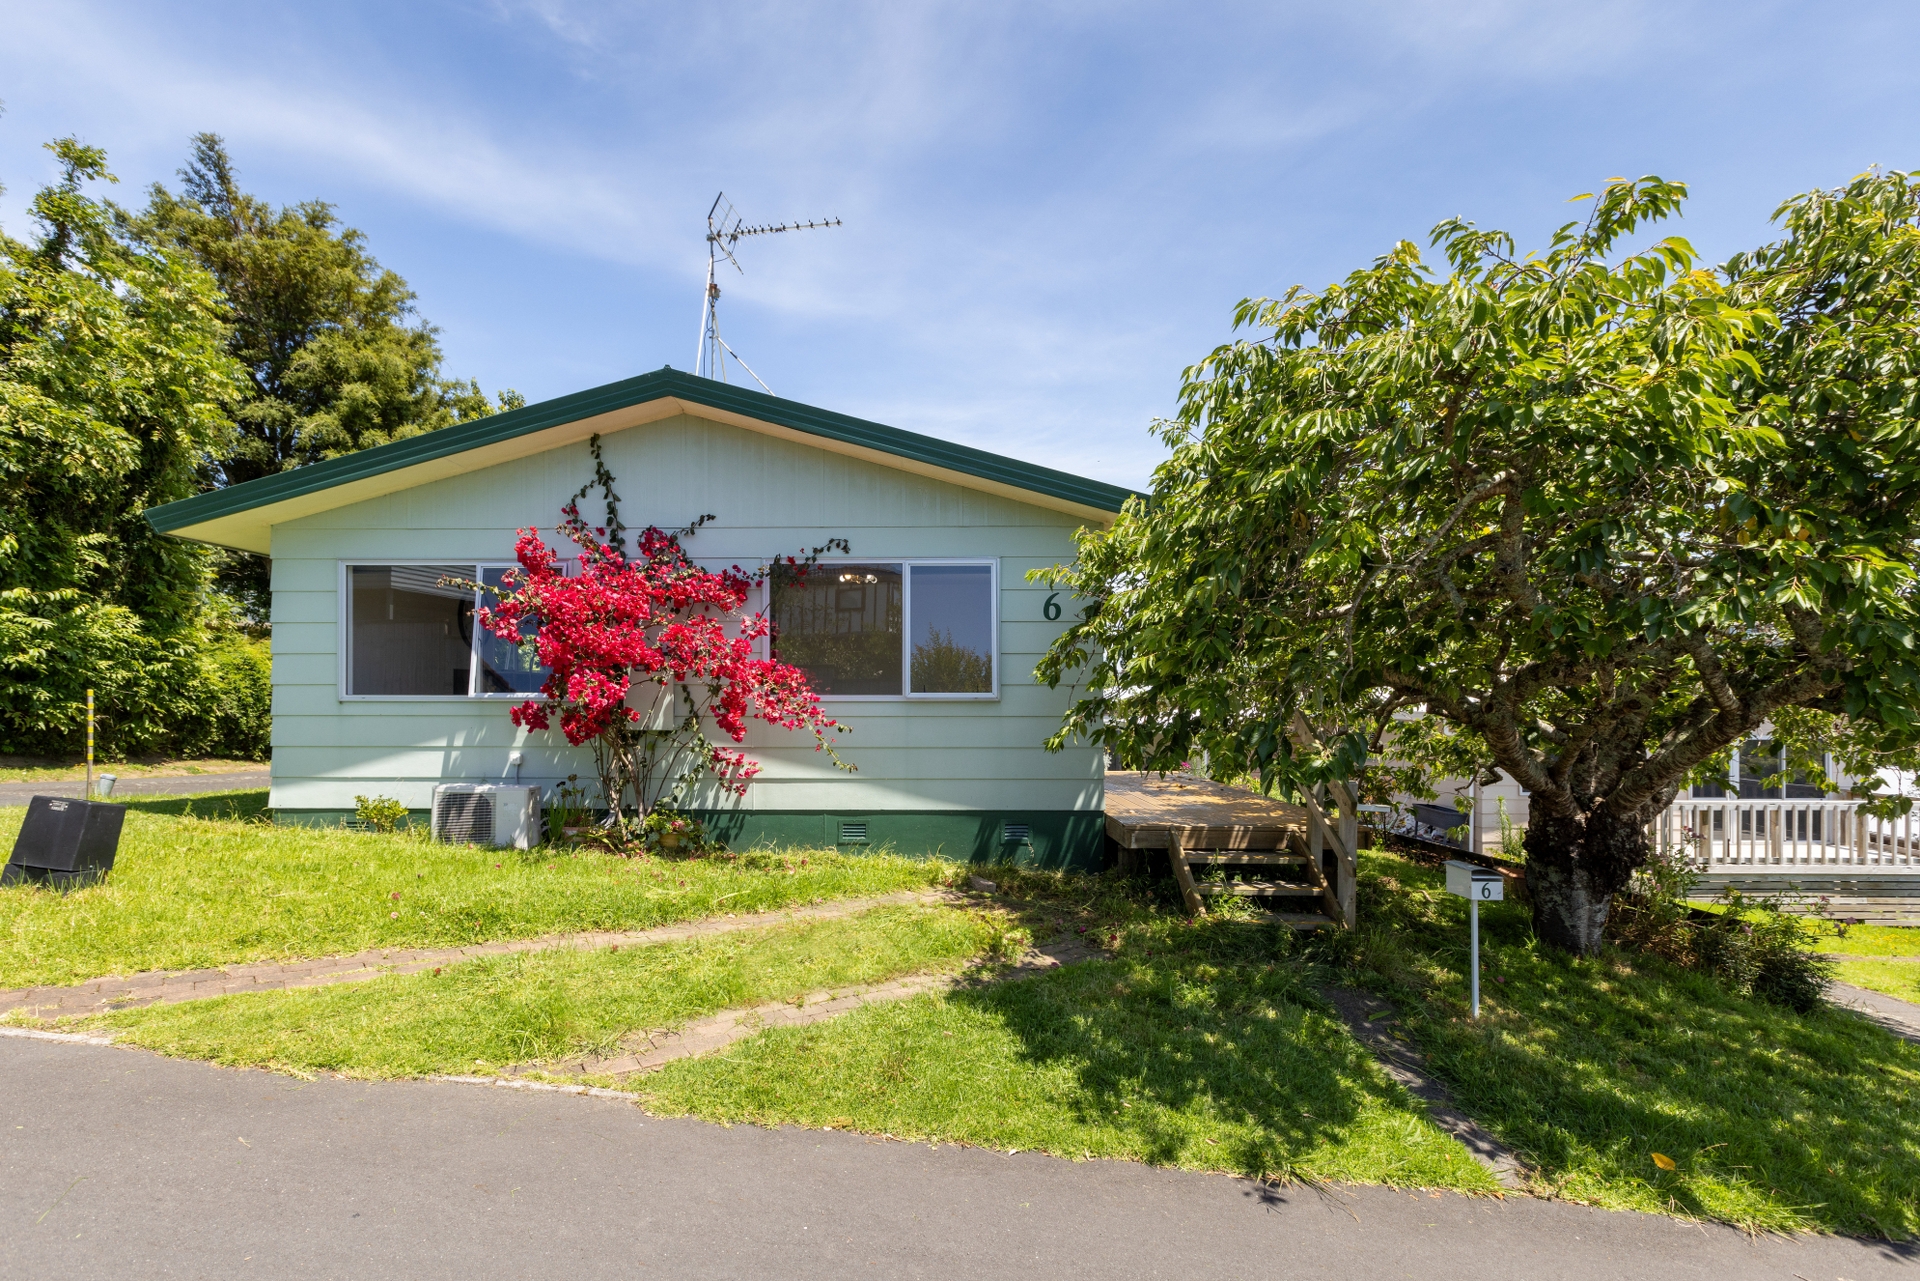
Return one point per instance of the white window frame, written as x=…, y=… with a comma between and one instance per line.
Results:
x=344, y=592
x=345, y=596
x=906, y=564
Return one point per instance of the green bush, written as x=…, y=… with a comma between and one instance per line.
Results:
x=236, y=697
x=1754, y=948
x=194, y=694
x=379, y=813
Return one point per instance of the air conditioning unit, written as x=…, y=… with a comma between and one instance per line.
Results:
x=487, y=814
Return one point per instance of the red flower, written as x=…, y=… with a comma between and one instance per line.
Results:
x=620, y=625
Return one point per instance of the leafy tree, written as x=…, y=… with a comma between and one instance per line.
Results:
x=114, y=381
x=1594, y=516
x=334, y=356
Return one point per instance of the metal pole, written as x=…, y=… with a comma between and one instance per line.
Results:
x=1473, y=916
x=89, y=744
x=706, y=301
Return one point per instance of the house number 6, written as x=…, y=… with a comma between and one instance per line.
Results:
x=1051, y=610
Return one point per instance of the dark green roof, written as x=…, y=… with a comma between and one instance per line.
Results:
x=664, y=383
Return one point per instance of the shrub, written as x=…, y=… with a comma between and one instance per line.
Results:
x=234, y=700
x=379, y=813
x=1755, y=947
x=1758, y=947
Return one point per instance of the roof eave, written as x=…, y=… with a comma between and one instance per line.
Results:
x=242, y=516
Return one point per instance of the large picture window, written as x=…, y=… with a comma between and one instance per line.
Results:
x=410, y=636
x=891, y=629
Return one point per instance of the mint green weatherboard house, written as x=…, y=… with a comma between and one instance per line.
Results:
x=382, y=687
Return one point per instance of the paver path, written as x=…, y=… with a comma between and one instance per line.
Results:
x=150, y=785
x=130, y=1165
x=167, y=986
x=646, y=1050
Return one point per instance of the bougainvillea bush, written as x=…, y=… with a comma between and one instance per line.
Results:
x=652, y=660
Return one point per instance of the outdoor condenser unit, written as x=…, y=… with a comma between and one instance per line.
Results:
x=487, y=814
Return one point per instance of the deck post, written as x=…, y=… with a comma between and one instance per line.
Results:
x=1348, y=851
x=1177, y=855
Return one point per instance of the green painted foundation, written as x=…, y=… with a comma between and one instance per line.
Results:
x=1055, y=839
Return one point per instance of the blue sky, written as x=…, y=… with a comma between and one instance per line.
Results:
x=1050, y=209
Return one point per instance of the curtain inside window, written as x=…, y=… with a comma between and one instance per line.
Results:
x=408, y=634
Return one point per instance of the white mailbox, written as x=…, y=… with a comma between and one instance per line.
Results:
x=1469, y=881
x=1477, y=885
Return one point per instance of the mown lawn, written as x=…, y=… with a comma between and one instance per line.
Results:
x=189, y=892
x=1201, y=1044
x=1172, y=1061
x=542, y=1007
x=1198, y=1046
x=1773, y=1120
x=1864, y=940
x=1897, y=978
x=47, y=769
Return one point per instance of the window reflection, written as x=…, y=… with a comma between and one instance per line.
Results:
x=842, y=625
x=506, y=667
x=952, y=629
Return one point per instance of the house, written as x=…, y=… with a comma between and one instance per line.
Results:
x=381, y=685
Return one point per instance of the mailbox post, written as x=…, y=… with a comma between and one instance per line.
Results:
x=1477, y=885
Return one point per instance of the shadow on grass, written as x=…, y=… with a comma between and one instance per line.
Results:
x=240, y=806
x=1198, y=1046
x=1773, y=1120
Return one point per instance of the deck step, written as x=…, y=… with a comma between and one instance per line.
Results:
x=1259, y=889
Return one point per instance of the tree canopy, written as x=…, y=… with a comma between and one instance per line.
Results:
x=1595, y=515
x=206, y=340
x=114, y=384
x=334, y=356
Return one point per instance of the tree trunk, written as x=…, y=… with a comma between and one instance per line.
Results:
x=1574, y=868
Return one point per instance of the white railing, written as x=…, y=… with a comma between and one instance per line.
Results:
x=1734, y=834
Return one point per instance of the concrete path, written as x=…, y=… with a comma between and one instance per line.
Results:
x=152, y=785
x=1372, y=1022
x=124, y=1164
x=165, y=987
x=1902, y=1018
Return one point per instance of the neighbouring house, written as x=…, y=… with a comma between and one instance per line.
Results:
x=1766, y=820
x=382, y=685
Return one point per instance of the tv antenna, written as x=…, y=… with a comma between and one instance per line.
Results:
x=724, y=230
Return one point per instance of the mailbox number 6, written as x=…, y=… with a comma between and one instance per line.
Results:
x=1051, y=610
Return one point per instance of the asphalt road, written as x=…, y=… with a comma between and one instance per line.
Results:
x=154, y=785
x=120, y=1163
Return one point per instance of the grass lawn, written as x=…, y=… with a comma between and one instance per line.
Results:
x=1199, y=1046
x=1899, y=978
x=1867, y=940
x=1774, y=1120
x=545, y=1006
x=52, y=769
x=189, y=892
x=1173, y=1061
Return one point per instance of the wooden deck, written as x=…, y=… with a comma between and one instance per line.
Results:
x=1242, y=843
x=1155, y=812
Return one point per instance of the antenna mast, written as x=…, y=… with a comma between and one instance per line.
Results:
x=724, y=230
